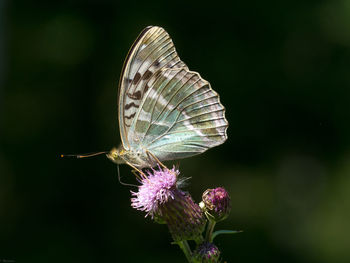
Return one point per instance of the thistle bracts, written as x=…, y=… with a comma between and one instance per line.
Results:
x=206, y=253
x=161, y=197
x=183, y=216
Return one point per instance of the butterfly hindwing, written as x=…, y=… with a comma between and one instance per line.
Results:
x=180, y=116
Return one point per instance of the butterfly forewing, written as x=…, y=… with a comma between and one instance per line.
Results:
x=152, y=51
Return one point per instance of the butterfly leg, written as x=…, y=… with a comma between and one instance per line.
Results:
x=141, y=174
x=149, y=154
x=135, y=173
x=120, y=181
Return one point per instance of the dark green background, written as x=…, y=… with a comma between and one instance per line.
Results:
x=282, y=69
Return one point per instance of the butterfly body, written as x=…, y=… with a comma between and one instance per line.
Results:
x=137, y=158
x=165, y=111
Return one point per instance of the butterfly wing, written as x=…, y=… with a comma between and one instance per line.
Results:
x=179, y=116
x=193, y=118
x=152, y=51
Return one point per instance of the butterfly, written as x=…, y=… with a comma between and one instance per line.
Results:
x=165, y=111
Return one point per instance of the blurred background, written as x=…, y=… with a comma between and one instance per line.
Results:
x=282, y=69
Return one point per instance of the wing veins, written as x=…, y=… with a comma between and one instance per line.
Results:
x=151, y=123
x=179, y=114
x=175, y=94
x=190, y=142
x=199, y=115
x=183, y=99
x=197, y=129
x=163, y=39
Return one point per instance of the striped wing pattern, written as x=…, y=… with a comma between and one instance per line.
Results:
x=152, y=51
x=165, y=108
x=180, y=116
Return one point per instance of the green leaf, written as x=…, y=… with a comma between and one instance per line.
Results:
x=219, y=232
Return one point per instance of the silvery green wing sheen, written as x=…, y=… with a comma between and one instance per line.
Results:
x=165, y=110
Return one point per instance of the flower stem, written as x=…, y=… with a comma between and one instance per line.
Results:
x=210, y=229
x=199, y=239
x=186, y=249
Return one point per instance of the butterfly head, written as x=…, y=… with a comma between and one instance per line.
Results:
x=115, y=156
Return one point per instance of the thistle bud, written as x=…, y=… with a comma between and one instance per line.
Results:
x=159, y=196
x=207, y=253
x=216, y=203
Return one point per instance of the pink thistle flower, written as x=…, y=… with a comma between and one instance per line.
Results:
x=155, y=190
x=159, y=196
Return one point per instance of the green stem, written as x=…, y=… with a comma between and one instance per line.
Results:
x=210, y=229
x=186, y=249
x=199, y=239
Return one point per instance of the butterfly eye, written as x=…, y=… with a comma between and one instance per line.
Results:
x=113, y=154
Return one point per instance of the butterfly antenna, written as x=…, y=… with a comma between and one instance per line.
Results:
x=119, y=179
x=79, y=156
